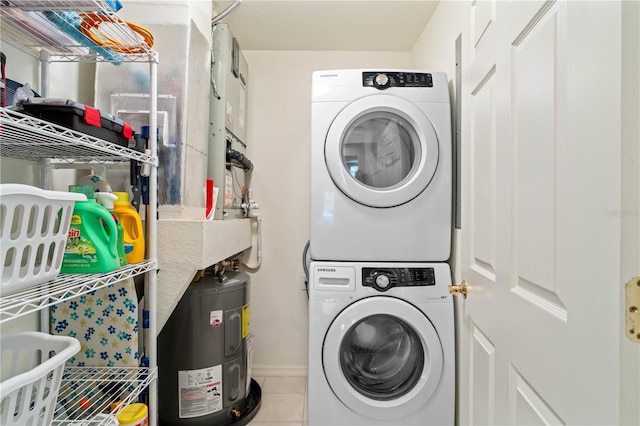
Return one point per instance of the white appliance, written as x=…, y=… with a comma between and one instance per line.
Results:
x=381, y=344
x=381, y=166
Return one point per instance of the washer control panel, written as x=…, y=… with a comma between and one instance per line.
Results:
x=383, y=80
x=383, y=279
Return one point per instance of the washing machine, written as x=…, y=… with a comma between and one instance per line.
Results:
x=381, y=166
x=381, y=344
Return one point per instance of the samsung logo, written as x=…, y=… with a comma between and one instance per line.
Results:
x=328, y=75
x=326, y=269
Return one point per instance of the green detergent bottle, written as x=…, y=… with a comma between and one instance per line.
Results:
x=106, y=199
x=91, y=246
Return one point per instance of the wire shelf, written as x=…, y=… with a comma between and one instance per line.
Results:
x=78, y=5
x=73, y=29
x=65, y=287
x=95, y=395
x=30, y=138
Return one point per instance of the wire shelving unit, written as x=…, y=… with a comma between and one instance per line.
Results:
x=51, y=30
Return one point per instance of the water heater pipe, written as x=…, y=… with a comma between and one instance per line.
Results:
x=225, y=12
x=245, y=261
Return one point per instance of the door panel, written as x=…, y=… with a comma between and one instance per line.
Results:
x=483, y=15
x=526, y=406
x=483, y=368
x=537, y=120
x=484, y=182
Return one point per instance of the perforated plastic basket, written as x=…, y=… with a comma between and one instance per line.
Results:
x=32, y=367
x=33, y=231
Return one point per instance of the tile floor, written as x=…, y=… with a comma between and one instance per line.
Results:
x=284, y=402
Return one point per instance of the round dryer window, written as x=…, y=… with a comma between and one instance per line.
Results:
x=381, y=151
x=382, y=357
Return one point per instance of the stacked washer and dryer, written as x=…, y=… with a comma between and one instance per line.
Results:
x=381, y=324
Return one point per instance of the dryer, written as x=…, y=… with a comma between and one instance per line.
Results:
x=381, y=344
x=381, y=166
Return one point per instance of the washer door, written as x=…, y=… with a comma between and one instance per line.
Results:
x=381, y=151
x=382, y=358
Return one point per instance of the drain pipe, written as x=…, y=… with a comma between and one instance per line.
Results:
x=252, y=211
x=237, y=158
x=246, y=259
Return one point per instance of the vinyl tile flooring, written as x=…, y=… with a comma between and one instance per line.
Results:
x=284, y=402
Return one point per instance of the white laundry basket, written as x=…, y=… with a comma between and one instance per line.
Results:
x=32, y=366
x=33, y=232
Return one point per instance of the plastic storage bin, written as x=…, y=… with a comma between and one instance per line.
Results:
x=82, y=118
x=32, y=366
x=33, y=231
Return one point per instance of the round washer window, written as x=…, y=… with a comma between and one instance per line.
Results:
x=381, y=150
x=382, y=357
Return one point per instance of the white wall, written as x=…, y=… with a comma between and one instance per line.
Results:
x=435, y=48
x=278, y=143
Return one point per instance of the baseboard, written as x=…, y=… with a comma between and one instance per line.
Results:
x=264, y=370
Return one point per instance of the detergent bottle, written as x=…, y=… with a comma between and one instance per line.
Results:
x=132, y=224
x=93, y=237
x=106, y=199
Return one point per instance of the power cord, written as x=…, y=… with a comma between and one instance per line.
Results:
x=90, y=28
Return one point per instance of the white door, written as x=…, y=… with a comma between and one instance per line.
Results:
x=543, y=234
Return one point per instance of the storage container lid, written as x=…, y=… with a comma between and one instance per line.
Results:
x=132, y=413
x=88, y=191
x=123, y=198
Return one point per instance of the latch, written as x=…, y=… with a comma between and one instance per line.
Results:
x=457, y=290
x=632, y=308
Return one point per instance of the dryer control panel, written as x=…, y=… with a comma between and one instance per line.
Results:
x=383, y=279
x=383, y=80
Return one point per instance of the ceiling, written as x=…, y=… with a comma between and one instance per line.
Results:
x=347, y=25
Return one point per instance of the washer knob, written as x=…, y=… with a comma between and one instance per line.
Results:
x=382, y=281
x=381, y=80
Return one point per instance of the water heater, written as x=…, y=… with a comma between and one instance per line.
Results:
x=203, y=355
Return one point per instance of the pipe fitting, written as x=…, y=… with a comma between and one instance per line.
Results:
x=235, y=413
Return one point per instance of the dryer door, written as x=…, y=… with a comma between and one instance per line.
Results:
x=382, y=358
x=381, y=151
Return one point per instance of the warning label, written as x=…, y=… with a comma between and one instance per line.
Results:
x=228, y=189
x=215, y=318
x=246, y=320
x=200, y=391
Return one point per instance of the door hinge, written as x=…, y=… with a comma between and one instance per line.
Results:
x=632, y=309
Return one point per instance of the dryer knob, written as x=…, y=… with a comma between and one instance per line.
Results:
x=381, y=80
x=382, y=281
